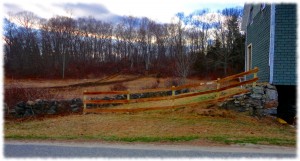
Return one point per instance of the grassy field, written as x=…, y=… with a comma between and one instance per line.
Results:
x=187, y=125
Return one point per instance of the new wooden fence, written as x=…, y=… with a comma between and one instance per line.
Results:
x=221, y=85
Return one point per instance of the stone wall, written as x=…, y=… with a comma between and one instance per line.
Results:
x=51, y=107
x=262, y=100
x=45, y=107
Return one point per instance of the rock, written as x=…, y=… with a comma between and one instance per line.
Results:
x=241, y=109
x=106, y=98
x=53, y=108
x=38, y=101
x=59, y=106
x=75, y=109
x=239, y=97
x=39, y=104
x=27, y=113
x=146, y=95
x=236, y=102
x=254, y=102
x=76, y=101
x=185, y=90
x=120, y=97
x=271, y=104
x=169, y=93
x=30, y=103
x=258, y=90
x=256, y=96
x=53, y=103
x=271, y=87
x=271, y=94
x=38, y=111
x=222, y=104
x=143, y=95
x=79, y=101
x=259, y=107
x=20, y=110
x=51, y=111
x=134, y=96
x=270, y=111
x=251, y=112
x=21, y=104
x=74, y=106
x=12, y=112
x=248, y=94
x=259, y=112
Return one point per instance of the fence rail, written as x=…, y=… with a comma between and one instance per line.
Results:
x=218, y=89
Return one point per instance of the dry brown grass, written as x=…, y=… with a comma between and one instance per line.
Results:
x=38, y=83
x=71, y=92
x=183, y=122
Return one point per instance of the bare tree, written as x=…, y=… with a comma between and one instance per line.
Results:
x=129, y=37
x=22, y=48
x=182, y=57
x=146, y=40
x=63, y=46
x=228, y=32
x=62, y=31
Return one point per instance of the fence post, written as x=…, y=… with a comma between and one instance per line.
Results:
x=173, y=94
x=173, y=90
x=218, y=87
x=84, y=104
x=128, y=95
x=254, y=76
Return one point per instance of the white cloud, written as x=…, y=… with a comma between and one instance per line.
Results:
x=158, y=10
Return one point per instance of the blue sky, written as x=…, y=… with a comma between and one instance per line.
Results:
x=158, y=10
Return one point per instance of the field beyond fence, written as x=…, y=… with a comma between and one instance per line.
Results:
x=215, y=89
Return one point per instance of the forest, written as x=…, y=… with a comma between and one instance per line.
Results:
x=202, y=44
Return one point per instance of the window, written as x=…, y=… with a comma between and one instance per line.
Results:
x=262, y=6
x=249, y=58
x=250, y=20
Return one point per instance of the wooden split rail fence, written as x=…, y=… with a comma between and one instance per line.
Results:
x=221, y=85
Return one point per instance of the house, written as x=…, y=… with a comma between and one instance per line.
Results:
x=271, y=35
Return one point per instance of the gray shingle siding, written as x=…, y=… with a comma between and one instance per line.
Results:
x=258, y=34
x=285, y=45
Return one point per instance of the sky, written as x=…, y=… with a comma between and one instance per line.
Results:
x=158, y=10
